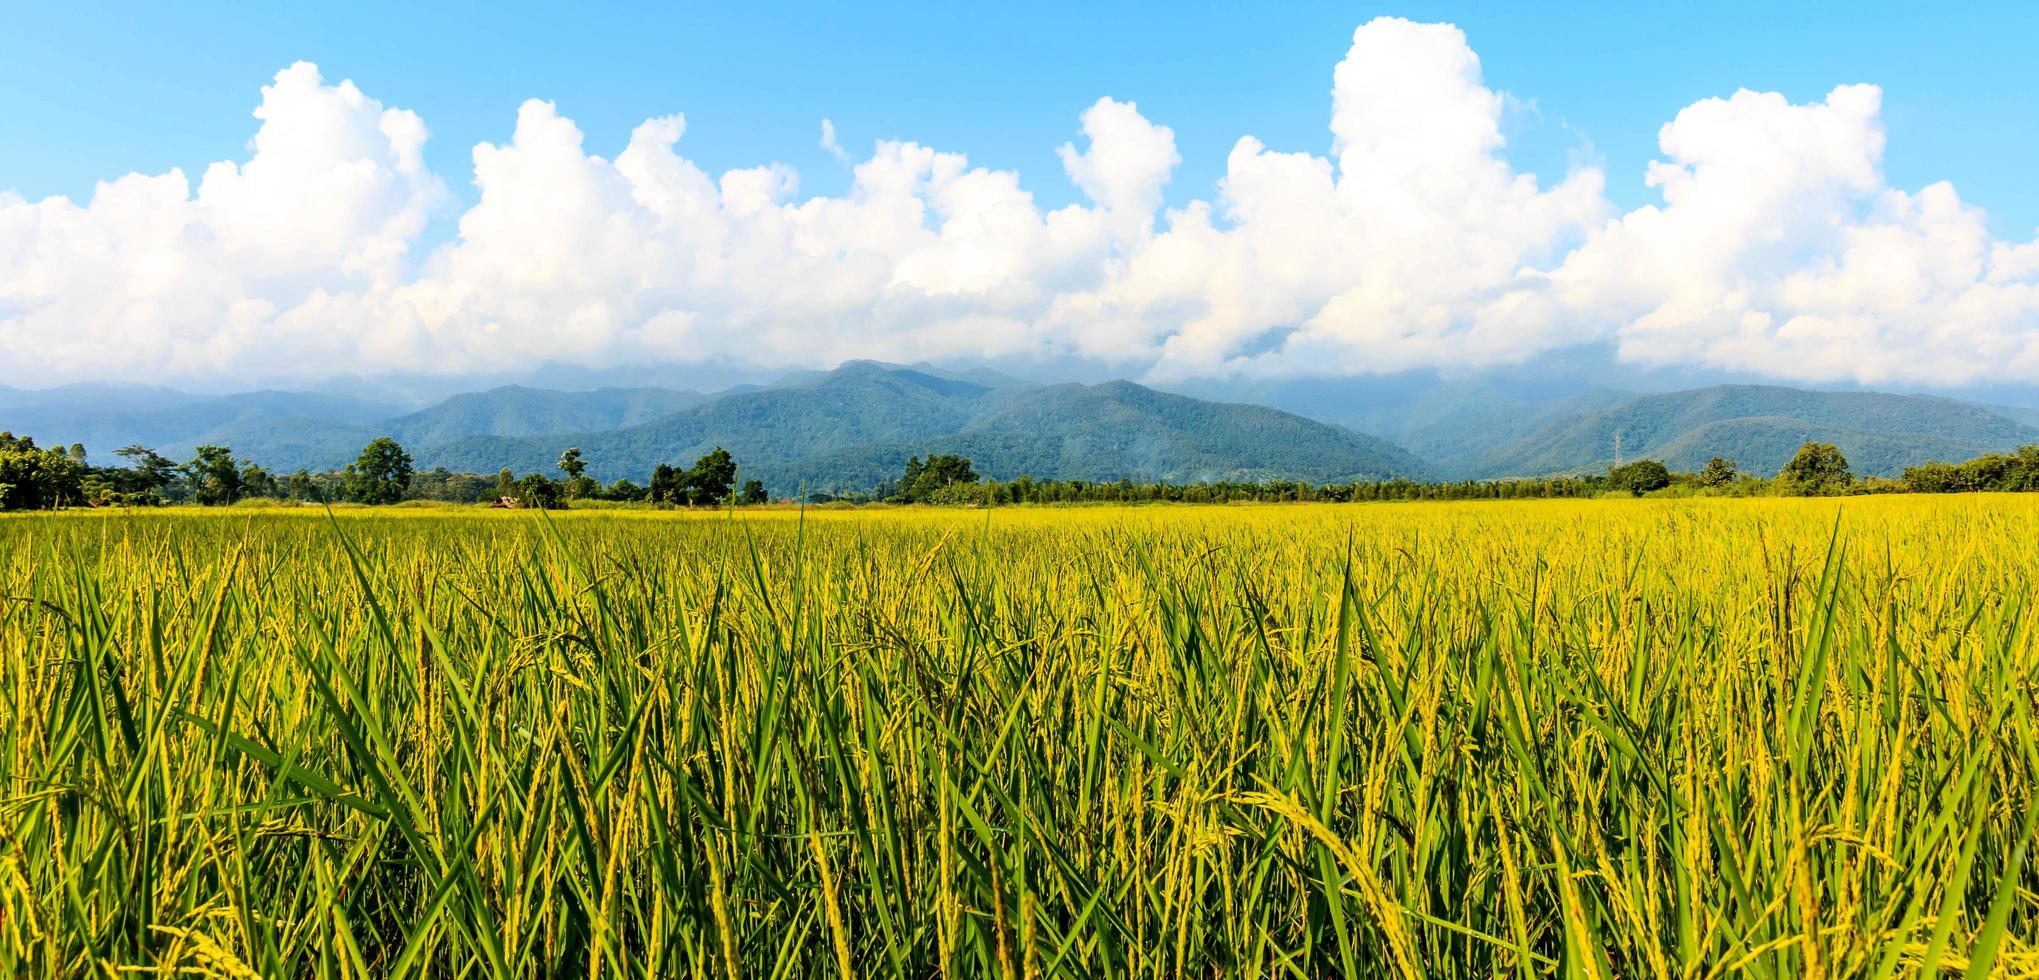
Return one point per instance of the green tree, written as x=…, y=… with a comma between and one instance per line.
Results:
x=909, y=477
x=215, y=476
x=32, y=478
x=534, y=490
x=666, y=485
x=257, y=481
x=578, y=485
x=711, y=477
x=382, y=473
x=506, y=484
x=753, y=493
x=147, y=475
x=301, y=487
x=1818, y=469
x=2017, y=472
x=1719, y=472
x=1639, y=477
x=923, y=479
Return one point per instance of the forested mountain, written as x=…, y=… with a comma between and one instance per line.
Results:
x=859, y=404
x=513, y=410
x=285, y=429
x=290, y=430
x=1760, y=427
x=2022, y=415
x=68, y=400
x=1449, y=422
x=853, y=428
x=1123, y=430
x=1119, y=430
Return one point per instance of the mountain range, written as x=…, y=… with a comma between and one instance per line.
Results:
x=853, y=427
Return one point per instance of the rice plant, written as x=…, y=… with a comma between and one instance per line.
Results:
x=1693, y=739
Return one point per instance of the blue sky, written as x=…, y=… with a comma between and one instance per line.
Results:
x=1814, y=193
x=91, y=90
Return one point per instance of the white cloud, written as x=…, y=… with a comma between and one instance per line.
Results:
x=828, y=142
x=1778, y=248
x=1386, y=255
x=151, y=279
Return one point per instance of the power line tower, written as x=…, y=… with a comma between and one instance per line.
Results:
x=1617, y=449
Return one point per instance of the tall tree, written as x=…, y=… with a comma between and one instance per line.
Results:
x=1639, y=477
x=1719, y=472
x=301, y=487
x=215, y=476
x=1818, y=469
x=381, y=475
x=32, y=478
x=666, y=485
x=148, y=471
x=925, y=478
x=257, y=481
x=579, y=485
x=711, y=477
x=534, y=490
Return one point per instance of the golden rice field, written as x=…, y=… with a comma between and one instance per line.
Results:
x=1693, y=739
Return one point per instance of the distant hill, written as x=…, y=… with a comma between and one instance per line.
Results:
x=2020, y=414
x=1120, y=429
x=71, y=399
x=859, y=404
x=1448, y=422
x=287, y=429
x=513, y=410
x=1759, y=427
x=852, y=427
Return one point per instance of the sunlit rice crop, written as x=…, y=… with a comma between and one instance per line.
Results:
x=1773, y=738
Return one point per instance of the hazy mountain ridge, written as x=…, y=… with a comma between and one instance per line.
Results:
x=290, y=429
x=853, y=427
x=514, y=410
x=1759, y=426
x=859, y=404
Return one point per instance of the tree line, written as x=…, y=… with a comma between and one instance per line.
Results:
x=1817, y=469
x=33, y=477
x=36, y=478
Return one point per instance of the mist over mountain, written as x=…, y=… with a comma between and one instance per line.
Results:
x=283, y=430
x=513, y=410
x=853, y=427
x=1759, y=427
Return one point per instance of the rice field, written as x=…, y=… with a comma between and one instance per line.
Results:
x=1693, y=739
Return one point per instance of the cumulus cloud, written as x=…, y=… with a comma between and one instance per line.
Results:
x=1777, y=247
x=153, y=275
x=1390, y=253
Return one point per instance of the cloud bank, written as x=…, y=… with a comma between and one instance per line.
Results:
x=1777, y=248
